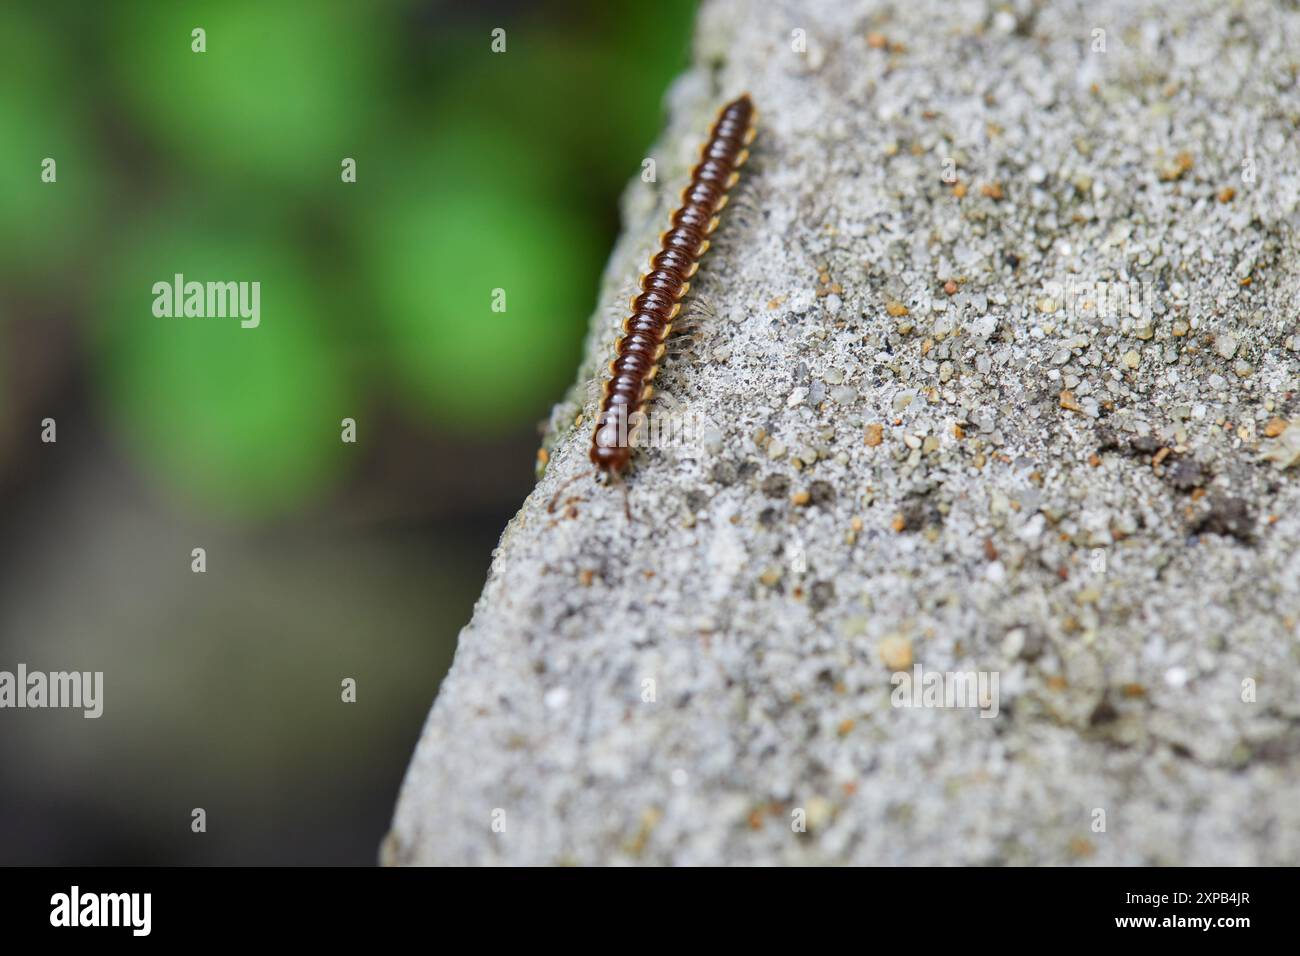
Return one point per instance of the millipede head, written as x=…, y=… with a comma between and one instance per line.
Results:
x=610, y=459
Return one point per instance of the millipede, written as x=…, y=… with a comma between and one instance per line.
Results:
x=639, y=351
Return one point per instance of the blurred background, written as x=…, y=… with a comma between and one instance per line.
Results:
x=475, y=170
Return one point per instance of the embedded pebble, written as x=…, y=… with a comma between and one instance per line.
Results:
x=896, y=652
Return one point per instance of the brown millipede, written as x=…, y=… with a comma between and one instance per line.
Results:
x=639, y=351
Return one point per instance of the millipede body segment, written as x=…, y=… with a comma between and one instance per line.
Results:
x=639, y=351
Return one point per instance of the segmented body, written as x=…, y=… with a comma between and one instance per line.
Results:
x=639, y=351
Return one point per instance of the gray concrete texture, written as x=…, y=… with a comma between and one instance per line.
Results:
x=995, y=358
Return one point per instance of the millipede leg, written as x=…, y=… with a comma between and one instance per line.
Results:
x=627, y=500
x=550, y=508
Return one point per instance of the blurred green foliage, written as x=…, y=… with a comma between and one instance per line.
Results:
x=475, y=171
x=245, y=420
x=280, y=87
x=437, y=249
x=42, y=117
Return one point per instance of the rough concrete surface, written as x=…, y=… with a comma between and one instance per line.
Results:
x=927, y=443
